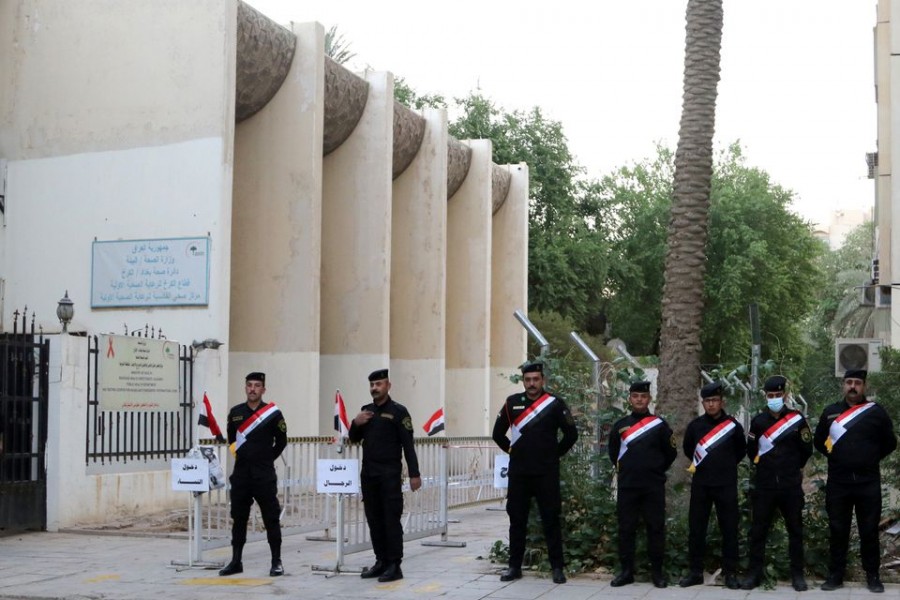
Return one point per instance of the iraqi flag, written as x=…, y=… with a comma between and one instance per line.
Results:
x=341, y=424
x=206, y=419
x=435, y=423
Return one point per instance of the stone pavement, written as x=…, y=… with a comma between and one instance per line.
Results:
x=89, y=566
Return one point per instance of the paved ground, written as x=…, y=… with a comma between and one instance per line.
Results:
x=80, y=566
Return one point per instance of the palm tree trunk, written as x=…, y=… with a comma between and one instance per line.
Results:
x=682, y=303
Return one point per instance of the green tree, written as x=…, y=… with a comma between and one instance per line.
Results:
x=682, y=304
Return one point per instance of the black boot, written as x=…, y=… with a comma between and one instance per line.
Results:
x=833, y=582
x=873, y=583
x=391, y=573
x=559, y=575
x=374, y=571
x=799, y=582
x=752, y=580
x=511, y=574
x=658, y=578
x=277, y=569
x=232, y=568
x=692, y=578
x=623, y=578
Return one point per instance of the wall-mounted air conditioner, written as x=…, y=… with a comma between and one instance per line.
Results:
x=856, y=353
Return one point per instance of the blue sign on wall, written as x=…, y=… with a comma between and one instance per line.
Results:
x=157, y=272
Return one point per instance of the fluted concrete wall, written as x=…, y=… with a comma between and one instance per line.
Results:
x=356, y=253
x=469, y=297
x=276, y=233
x=418, y=275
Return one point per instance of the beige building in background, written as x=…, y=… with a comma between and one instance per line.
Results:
x=346, y=232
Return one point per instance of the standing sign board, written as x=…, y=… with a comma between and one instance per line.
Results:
x=190, y=475
x=337, y=476
x=501, y=471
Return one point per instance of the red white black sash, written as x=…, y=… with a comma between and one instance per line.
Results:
x=528, y=416
x=264, y=414
x=714, y=438
x=843, y=422
x=781, y=428
x=637, y=431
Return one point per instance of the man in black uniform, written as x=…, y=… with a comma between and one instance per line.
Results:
x=642, y=446
x=855, y=434
x=715, y=444
x=385, y=429
x=534, y=419
x=257, y=434
x=779, y=444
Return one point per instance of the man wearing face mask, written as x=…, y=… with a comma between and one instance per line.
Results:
x=855, y=434
x=642, y=447
x=779, y=444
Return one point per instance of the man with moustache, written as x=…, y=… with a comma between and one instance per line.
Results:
x=257, y=433
x=643, y=448
x=535, y=420
x=855, y=435
x=779, y=444
x=714, y=443
x=385, y=429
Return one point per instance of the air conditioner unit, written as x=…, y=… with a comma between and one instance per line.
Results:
x=883, y=296
x=856, y=353
x=867, y=295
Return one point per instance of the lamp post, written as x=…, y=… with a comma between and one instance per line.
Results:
x=65, y=310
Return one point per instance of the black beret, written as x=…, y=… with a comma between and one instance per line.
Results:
x=256, y=376
x=775, y=383
x=533, y=367
x=378, y=375
x=856, y=374
x=711, y=389
x=640, y=386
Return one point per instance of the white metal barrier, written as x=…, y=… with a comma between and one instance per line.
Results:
x=455, y=472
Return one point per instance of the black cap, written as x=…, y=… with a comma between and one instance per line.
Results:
x=711, y=389
x=856, y=374
x=775, y=383
x=378, y=375
x=640, y=386
x=532, y=367
x=256, y=376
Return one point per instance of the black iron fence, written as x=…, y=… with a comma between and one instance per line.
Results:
x=129, y=436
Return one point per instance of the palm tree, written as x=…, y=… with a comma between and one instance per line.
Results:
x=682, y=302
x=336, y=47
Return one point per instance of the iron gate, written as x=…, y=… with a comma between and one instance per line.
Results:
x=24, y=387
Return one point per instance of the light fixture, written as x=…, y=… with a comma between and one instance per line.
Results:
x=65, y=310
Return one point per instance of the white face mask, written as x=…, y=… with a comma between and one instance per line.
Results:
x=775, y=404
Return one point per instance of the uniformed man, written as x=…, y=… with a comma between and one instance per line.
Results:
x=779, y=444
x=714, y=443
x=535, y=420
x=855, y=434
x=385, y=429
x=257, y=434
x=643, y=447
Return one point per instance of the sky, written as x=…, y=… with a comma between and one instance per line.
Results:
x=797, y=84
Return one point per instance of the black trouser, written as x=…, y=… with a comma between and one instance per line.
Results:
x=840, y=500
x=789, y=503
x=649, y=504
x=725, y=499
x=545, y=489
x=243, y=493
x=383, y=503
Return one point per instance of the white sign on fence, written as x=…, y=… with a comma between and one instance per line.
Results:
x=138, y=373
x=160, y=272
x=501, y=471
x=190, y=474
x=335, y=476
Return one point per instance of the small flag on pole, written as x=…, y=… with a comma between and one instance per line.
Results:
x=341, y=424
x=206, y=419
x=435, y=423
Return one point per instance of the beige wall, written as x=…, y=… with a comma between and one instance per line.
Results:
x=469, y=297
x=94, y=75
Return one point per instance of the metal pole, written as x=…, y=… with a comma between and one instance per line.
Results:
x=595, y=384
x=533, y=331
x=755, y=350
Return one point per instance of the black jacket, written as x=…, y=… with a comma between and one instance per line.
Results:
x=856, y=457
x=384, y=437
x=647, y=459
x=540, y=447
x=719, y=467
x=255, y=458
x=782, y=466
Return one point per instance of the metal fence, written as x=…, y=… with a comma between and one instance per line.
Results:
x=455, y=472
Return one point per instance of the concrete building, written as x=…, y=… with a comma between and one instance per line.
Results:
x=340, y=231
